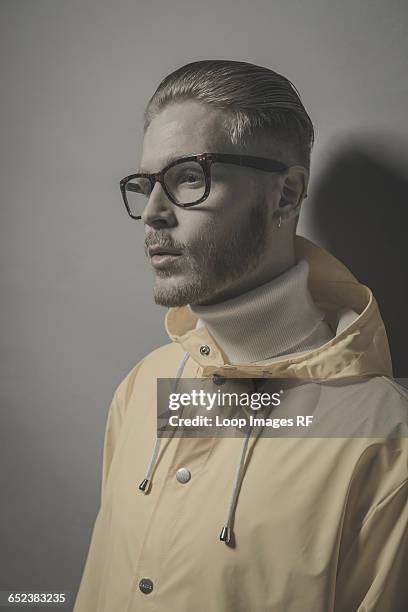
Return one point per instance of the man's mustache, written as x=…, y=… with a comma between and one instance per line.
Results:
x=151, y=241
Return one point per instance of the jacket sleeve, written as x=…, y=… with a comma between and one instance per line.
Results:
x=116, y=415
x=372, y=575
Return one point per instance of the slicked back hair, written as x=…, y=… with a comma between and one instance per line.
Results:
x=257, y=101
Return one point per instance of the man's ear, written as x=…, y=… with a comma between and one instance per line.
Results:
x=293, y=190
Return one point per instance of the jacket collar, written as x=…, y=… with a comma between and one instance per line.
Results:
x=359, y=349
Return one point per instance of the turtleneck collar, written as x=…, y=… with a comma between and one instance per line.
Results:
x=276, y=318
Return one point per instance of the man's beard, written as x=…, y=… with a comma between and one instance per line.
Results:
x=215, y=267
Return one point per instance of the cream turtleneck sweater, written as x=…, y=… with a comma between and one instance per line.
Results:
x=276, y=318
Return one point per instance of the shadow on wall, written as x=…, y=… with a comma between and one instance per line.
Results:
x=359, y=212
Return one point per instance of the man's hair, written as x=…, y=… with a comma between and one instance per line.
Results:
x=256, y=101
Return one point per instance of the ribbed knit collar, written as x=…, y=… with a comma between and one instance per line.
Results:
x=276, y=318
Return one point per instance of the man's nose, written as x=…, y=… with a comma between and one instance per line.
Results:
x=158, y=210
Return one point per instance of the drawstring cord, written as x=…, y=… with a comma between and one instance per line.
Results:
x=146, y=479
x=225, y=535
x=144, y=484
x=226, y=531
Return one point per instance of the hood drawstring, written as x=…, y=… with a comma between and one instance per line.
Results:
x=225, y=535
x=144, y=484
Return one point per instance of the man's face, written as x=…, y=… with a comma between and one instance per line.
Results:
x=222, y=240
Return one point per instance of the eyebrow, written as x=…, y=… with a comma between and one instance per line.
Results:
x=167, y=161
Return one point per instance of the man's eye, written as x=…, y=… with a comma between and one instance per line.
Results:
x=136, y=188
x=185, y=176
x=190, y=177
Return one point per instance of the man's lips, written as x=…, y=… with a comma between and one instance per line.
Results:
x=158, y=250
x=161, y=257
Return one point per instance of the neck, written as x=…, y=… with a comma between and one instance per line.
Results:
x=275, y=318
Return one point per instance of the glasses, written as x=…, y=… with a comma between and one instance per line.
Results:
x=186, y=181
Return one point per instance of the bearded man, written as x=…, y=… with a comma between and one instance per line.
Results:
x=279, y=523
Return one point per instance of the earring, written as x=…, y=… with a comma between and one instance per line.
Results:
x=279, y=222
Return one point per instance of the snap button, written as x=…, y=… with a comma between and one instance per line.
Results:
x=183, y=475
x=205, y=349
x=146, y=585
x=218, y=380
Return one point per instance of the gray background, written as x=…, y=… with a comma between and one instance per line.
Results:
x=77, y=309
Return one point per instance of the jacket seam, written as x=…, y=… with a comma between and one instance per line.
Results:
x=394, y=491
x=355, y=469
x=344, y=514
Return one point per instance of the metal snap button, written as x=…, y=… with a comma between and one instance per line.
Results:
x=218, y=380
x=183, y=475
x=205, y=349
x=146, y=585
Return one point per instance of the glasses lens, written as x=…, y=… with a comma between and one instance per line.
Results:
x=185, y=182
x=137, y=191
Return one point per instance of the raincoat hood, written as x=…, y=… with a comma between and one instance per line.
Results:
x=359, y=348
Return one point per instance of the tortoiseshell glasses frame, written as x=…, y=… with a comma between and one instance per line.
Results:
x=205, y=160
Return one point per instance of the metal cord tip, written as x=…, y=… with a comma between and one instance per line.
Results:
x=225, y=534
x=143, y=484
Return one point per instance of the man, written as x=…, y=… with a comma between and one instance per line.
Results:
x=255, y=523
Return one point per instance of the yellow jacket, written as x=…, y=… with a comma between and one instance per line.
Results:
x=317, y=524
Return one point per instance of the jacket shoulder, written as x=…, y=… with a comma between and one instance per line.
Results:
x=391, y=397
x=161, y=362
x=368, y=407
x=399, y=389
